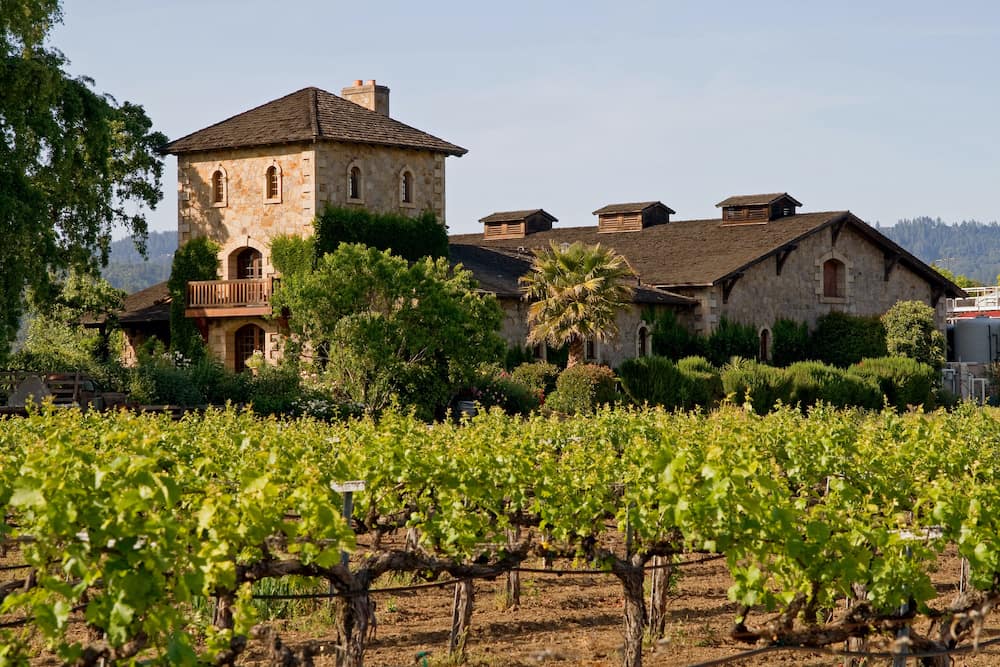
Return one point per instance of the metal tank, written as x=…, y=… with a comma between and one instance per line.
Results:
x=977, y=339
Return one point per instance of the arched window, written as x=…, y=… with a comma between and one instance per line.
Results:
x=354, y=183
x=272, y=184
x=406, y=187
x=643, y=341
x=249, y=264
x=834, y=278
x=765, y=345
x=248, y=339
x=590, y=350
x=219, y=188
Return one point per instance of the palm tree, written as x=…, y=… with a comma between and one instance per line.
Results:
x=576, y=293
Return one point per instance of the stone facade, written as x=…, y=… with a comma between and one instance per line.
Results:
x=761, y=296
x=514, y=330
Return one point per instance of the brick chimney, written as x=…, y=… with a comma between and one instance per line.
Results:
x=368, y=95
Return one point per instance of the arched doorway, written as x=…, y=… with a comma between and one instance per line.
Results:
x=248, y=339
x=249, y=263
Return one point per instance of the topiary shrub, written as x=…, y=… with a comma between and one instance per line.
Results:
x=732, y=339
x=539, y=376
x=582, y=388
x=790, y=342
x=760, y=385
x=705, y=380
x=910, y=332
x=655, y=380
x=814, y=381
x=902, y=380
x=841, y=340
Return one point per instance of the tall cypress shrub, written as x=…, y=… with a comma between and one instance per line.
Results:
x=198, y=259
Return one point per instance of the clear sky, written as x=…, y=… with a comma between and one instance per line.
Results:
x=889, y=109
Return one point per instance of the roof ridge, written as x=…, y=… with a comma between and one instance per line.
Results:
x=314, y=112
x=162, y=148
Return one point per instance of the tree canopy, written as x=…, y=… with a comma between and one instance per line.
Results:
x=74, y=163
x=393, y=330
x=576, y=294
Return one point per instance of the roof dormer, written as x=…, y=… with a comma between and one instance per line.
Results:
x=632, y=217
x=750, y=209
x=516, y=224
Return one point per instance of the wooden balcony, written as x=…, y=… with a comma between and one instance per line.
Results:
x=230, y=298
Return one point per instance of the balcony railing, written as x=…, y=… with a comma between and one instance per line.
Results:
x=212, y=294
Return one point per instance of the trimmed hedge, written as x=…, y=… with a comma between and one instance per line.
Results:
x=902, y=380
x=706, y=382
x=760, y=385
x=582, y=388
x=790, y=342
x=842, y=340
x=732, y=339
x=657, y=381
x=813, y=382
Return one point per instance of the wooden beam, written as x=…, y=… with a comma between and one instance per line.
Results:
x=889, y=262
x=727, y=286
x=783, y=254
x=835, y=230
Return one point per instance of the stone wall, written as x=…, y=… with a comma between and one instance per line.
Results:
x=761, y=296
x=514, y=330
x=222, y=332
x=246, y=217
x=381, y=169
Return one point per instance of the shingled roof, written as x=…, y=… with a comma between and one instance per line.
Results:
x=515, y=216
x=151, y=304
x=309, y=114
x=497, y=271
x=757, y=200
x=633, y=207
x=699, y=253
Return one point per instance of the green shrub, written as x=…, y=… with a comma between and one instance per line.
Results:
x=513, y=397
x=158, y=384
x=902, y=380
x=655, y=380
x=218, y=384
x=538, y=376
x=814, y=381
x=732, y=339
x=198, y=259
x=582, y=388
x=515, y=355
x=276, y=389
x=408, y=237
x=763, y=386
x=670, y=338
x=910, y=332
x=842, y=340
x=705, y=381
x=789, y=342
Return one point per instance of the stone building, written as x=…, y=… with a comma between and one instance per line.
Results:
x=759, y=261
x=268, y=172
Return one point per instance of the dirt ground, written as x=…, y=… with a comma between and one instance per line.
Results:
x=567, y=620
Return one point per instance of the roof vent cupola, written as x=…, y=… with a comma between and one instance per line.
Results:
x=632, y=217
x=757, y=209
x=516, y=224
x=369, y=95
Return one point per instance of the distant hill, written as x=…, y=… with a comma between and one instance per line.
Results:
x=126, y=268
x=969, y=248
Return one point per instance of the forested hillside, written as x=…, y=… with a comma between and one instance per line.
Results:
x=127, y=269
x=969, y=247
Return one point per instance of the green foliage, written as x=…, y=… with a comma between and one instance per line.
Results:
x=538, y=376
x=576, y=294
x=910, y=331
x=276, y=390
x=293, y=255
x=958, y=279
x=789, y=342
x=656, y=381
x=841, y=340
x=583, y=388
x=74, y=164
x=968, y=247
x=198, y=259
x=495, y=388
x=411, y=238
x=813, y=382
x=517, y=355
x=902, y=380
x=412, y=332
x=670, y=338
x=732, y=339
x=704, y=379
x=761, y=385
